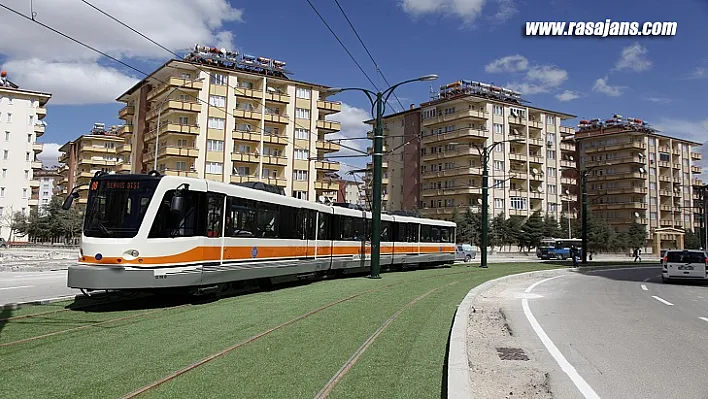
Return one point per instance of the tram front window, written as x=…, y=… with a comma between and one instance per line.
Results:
x=116, y=208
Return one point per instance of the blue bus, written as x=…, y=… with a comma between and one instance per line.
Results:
x=558, y=248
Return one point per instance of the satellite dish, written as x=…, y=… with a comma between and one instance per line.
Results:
x=479, y=200
x=321, y=199
x=567, y=192
x=534, y=171
x=641, y=170
x=540, y=189
x=570, y=157
x=641, y=155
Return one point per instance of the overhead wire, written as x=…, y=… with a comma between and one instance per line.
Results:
x=378, y=69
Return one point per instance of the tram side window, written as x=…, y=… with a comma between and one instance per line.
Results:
x=348, y=228
x=413, y=232
x=310, y=223
x=436, y=235
x=290, y=223
x=188, y=223
x=241, y=220
x=385, y=231
x=369, y=229
x=446, y=234
x=268, y=215
x=395, y=234
x=324, y=226
x=426, y=234
x=215, y=215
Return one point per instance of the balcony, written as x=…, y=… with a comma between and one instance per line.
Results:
x=570, y=181
x=126, y=112
x=36, y=165
x=176, y=172
x=326, y=186
x=636, y=145
x=277, y=97
x=564, y=163
x=565, y=146
x=621, y=205
x=176, y=128
x=696, y=182
x=125, y=129
x=245, y=135
x=696, y=156
x=462, y=114
x=327, y=165
x=33, y=202
x=665, y=178
x=41, y=112
x=428, y=174
x=696, y=169
x=436, y=192
x=535, y=142
x=619, y=175
x=276, y=117
x=39, y=129
x=122, y=167
x=329, y=126
x=456, y=134
x=518, y=157
x=664, y=164
x=171, y=150
x=459, y=152
x=171, y=83
x=329, y=107
x=173, y=105
x=37, y=147
x=250, y=93
x=326, y=146
x=566, y=130
x=34, y=183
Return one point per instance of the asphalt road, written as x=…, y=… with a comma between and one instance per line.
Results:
x=616, y=333
x=28, y=286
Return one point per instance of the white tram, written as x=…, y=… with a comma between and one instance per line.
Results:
x=144, y=232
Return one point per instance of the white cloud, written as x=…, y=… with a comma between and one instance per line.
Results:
x=72, y=82
x=176, y=24
x=538, y=78
x=510, y=63
x=634, y=57
x=700, y=72
x=601, y=86
x=467, y=10
x=353, y=126
x=567, y=95
x=507, y=10
x=659, y=100
x=49, y=155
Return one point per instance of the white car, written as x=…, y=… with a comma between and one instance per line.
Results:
x=686, y=264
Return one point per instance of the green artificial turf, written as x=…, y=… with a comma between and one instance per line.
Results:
x=116, y=358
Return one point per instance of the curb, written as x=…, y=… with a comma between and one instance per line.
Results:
x=458, y=376
x=46, y=301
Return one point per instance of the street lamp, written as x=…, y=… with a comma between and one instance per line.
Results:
x=567, y=193
x=484, y=152
x=159, y=112
x=378, y=100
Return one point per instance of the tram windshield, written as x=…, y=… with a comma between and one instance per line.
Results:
x=116, y=208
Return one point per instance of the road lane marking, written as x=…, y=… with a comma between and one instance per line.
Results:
x=704, y=318
x=664, y=301
x=644, y=287
x=568, y=368
x=17, y=287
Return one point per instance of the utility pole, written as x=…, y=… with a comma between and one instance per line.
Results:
x=485, y=207
x=584, y=188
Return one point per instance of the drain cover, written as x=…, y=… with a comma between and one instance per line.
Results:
x=512, y=354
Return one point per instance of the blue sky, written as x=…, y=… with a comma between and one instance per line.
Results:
x=660, y=79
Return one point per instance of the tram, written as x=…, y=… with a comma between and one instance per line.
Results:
x=150, y=231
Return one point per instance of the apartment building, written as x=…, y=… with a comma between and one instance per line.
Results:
x=435, y=160
x=349, y=192
x=21, y=124
x=81, y=158
x=636, y=173
x=49, y=186
x=232, y=118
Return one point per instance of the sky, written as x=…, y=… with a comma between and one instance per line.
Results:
x=658, y=79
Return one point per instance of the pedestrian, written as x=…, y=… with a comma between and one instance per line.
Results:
x=636, y=254
x=574, y=255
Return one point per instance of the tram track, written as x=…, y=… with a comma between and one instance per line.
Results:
x=149, y=387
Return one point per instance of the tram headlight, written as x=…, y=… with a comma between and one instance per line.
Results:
x=130, y=254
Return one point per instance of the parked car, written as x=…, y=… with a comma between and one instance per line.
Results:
x=465, y=252
x=662, y=253
x=3, y=243
x=684, y=264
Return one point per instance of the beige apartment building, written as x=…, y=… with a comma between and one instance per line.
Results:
x=222, y=120
x=432, y=162
x=638, y=174
x=82, y=158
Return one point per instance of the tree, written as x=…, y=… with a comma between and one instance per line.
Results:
x=691, y=240
x=550, y=227
x=563, y=228
x=533, y=230
x=498, y=231
x=469, y=229
x=637, y=235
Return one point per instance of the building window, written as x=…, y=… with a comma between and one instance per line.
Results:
x=216, y=123
x=552, y=207
x=551, y=172
x=498, y=128
x=552, y=189
x=302, y=93
x=181, y=165
x=498, y=110
x=5, y=154
x=498, y=165
x=214, y=167
x=2, y=191
x=4, y=173
x=498, y=203
x=7, y=136
x=9, y=117
x=215, y=145
x=27, y=175
x=218, y=79
x=519, y=203
x=498, y=183
x=302, y=113
x=653, y=215
x=24, y=193
x=301, y=154
x=300, y=195
x=217, y=101
x=551, y=154
x=9, y=101
x=29, y=138
x=27, y=156
x=300, y=175
x=499, y=147
x=550, y=119
x=302, y=134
